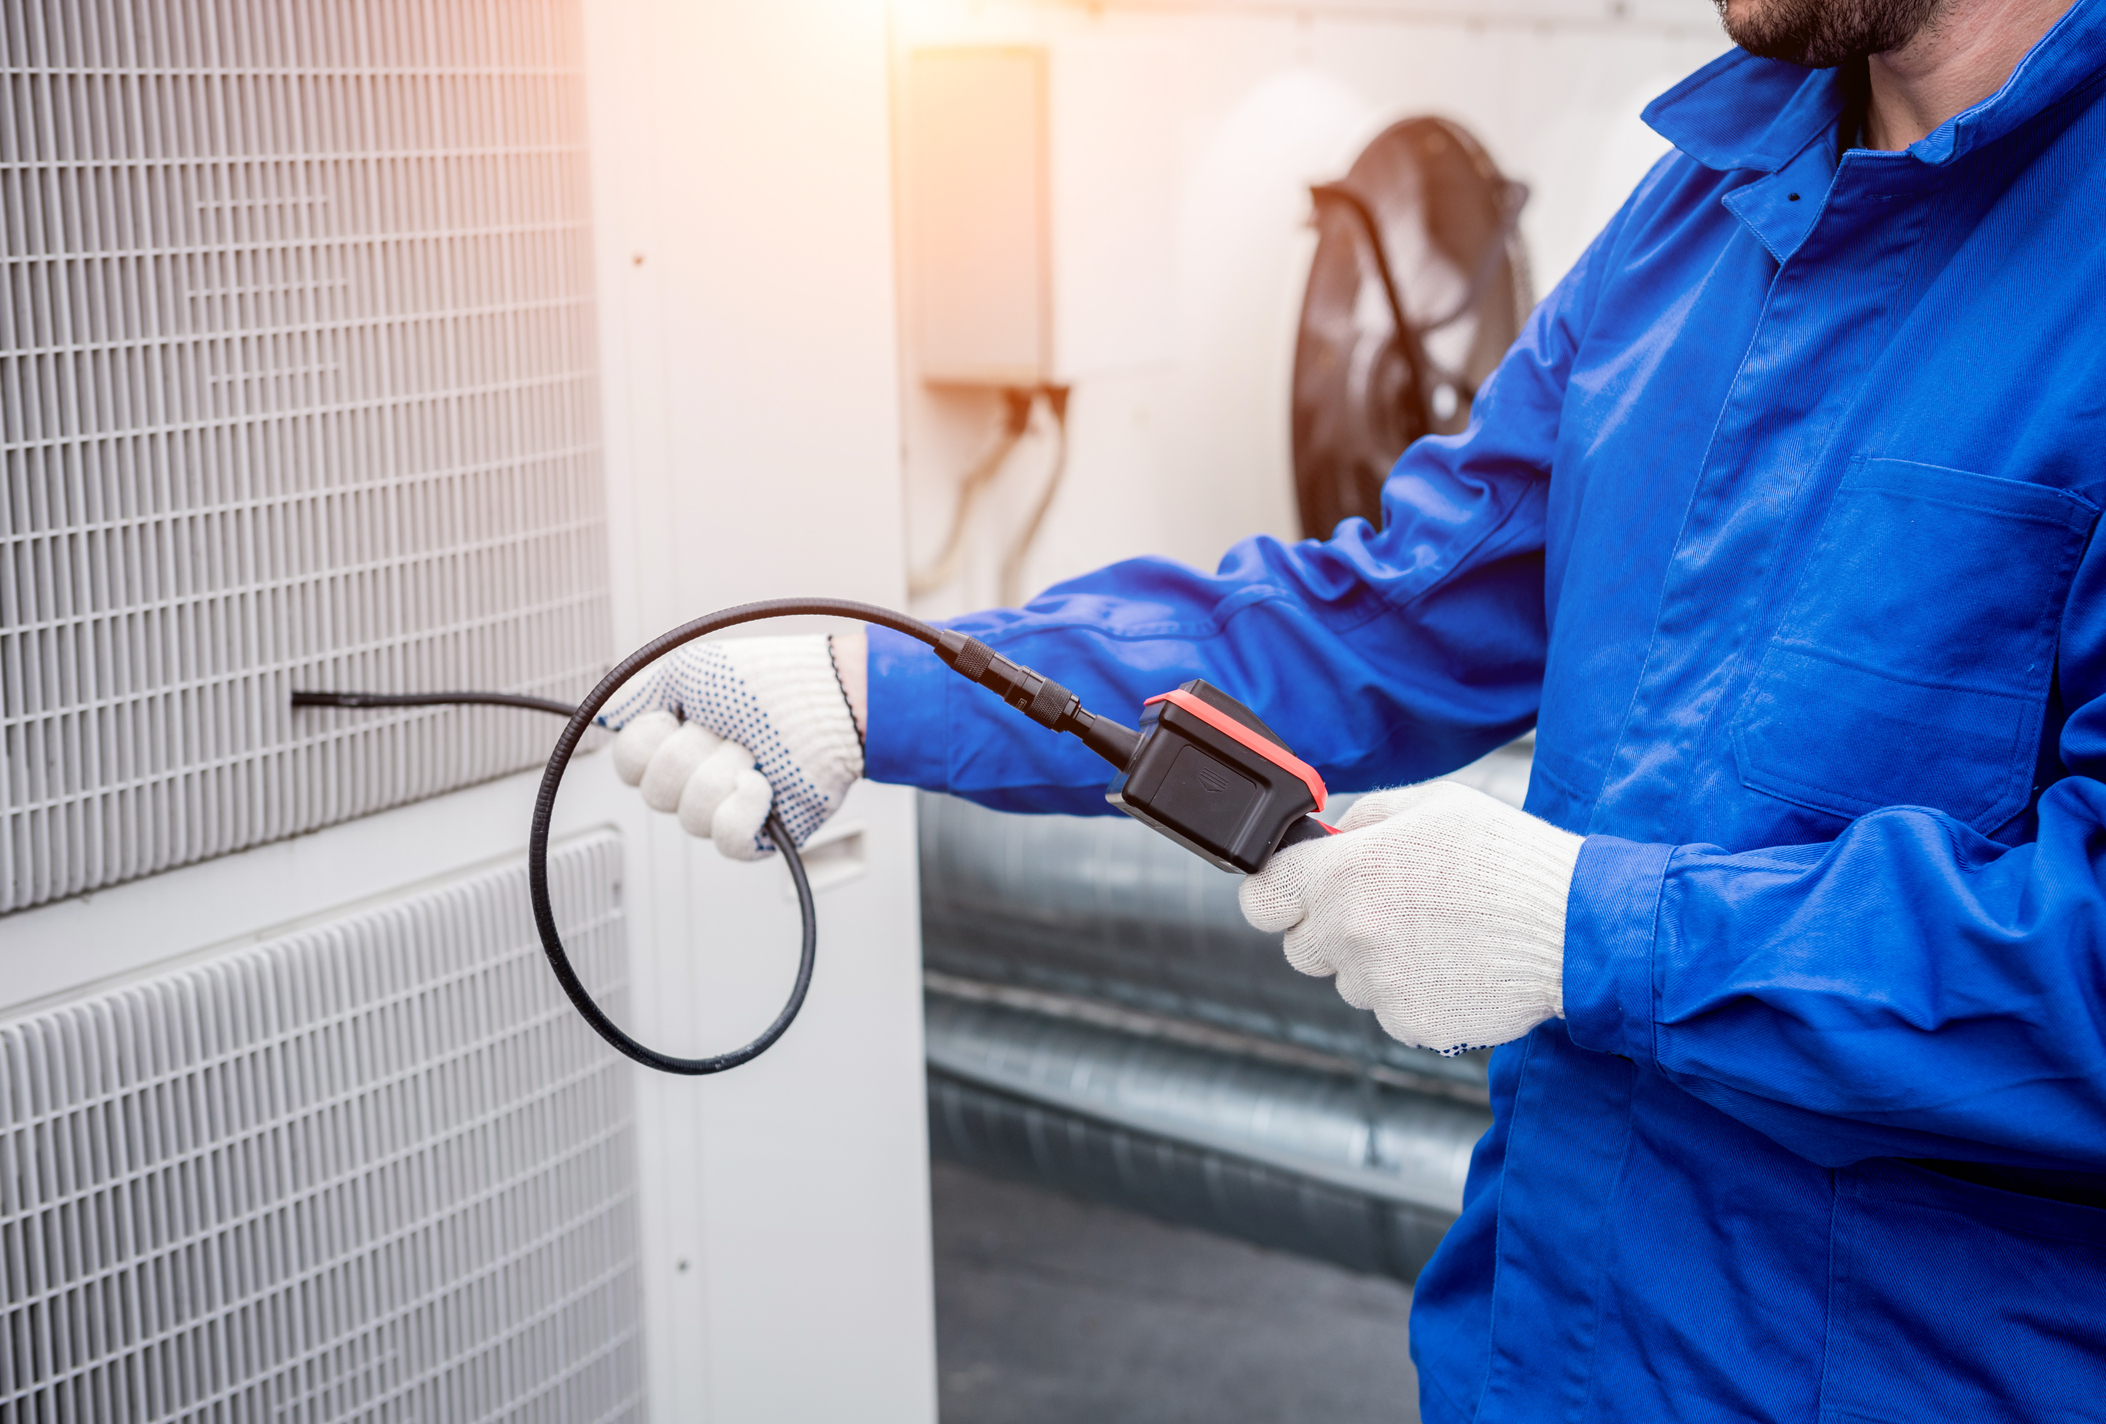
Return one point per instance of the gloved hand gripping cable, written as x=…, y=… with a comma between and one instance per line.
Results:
x=1036, y=696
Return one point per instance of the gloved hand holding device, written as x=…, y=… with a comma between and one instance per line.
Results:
x=719, y=731
x=1438, y=907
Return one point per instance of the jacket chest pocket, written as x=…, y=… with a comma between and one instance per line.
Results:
x=1912, y=666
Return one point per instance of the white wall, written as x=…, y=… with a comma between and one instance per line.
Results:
x=1187, y=456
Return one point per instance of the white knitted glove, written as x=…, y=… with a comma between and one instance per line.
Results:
x=1436, y=906
x=719, y=731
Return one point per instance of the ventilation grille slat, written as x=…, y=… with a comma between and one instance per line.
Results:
x=374, y=1170
x=297, y=387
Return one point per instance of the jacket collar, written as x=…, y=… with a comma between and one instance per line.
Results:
x=1740, y=112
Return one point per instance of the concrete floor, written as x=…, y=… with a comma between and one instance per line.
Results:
x=1051, y=1311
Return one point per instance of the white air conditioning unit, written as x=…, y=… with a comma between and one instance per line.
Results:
x=386, y=345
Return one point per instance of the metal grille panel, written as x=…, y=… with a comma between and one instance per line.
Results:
x=375, y=1170
x=296, y=386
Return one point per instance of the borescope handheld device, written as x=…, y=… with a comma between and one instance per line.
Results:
x=1201, y=769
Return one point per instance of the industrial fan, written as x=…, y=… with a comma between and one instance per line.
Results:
x=1419, y=285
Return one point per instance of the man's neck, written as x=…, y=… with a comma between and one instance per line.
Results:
x=1961, y=57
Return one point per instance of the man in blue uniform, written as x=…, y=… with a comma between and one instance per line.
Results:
x=1777, y=525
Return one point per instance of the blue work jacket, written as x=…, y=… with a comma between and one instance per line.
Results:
x=1777, y=525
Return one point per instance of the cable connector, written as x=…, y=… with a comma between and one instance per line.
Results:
x=1034, y=694
x=1037, y=696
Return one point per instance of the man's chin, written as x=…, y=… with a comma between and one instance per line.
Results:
x=1821, y=34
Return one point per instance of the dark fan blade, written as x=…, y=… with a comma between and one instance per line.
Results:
x=1444, y=219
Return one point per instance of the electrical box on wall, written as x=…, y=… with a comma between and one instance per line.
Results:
x=1040, y=211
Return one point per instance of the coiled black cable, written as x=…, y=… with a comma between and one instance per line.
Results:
x=1044, y=701
x=552, y=779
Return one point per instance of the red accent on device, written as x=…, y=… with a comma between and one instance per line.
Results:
x=1235, y=731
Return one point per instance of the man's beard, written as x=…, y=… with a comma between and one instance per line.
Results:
x=1821, y=34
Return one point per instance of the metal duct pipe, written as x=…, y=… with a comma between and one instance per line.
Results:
x=1344, y=1169
x=1101, y=1018
x=1102, y=908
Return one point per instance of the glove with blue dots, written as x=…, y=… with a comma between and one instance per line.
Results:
x=717, y=732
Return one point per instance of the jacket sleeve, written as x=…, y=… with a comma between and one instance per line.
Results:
x=1910, y=989
x=1379, y=656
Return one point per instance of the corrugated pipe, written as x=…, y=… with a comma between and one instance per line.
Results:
x=1102, y=1019
x=1319, y=1163
x=1102, y=908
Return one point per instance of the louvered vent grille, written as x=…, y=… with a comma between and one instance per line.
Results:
x=376, y=1170
x=296, y=387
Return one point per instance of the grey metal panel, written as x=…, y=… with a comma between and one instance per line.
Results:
x=372, y=1170
x=296, y=387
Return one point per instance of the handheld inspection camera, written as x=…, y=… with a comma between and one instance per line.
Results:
x=1201, y=769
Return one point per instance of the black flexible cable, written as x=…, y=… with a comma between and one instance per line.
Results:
x=552, y=944
x=1037, y=697
x=431, y=699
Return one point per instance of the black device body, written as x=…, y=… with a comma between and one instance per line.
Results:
x=1212, y=777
